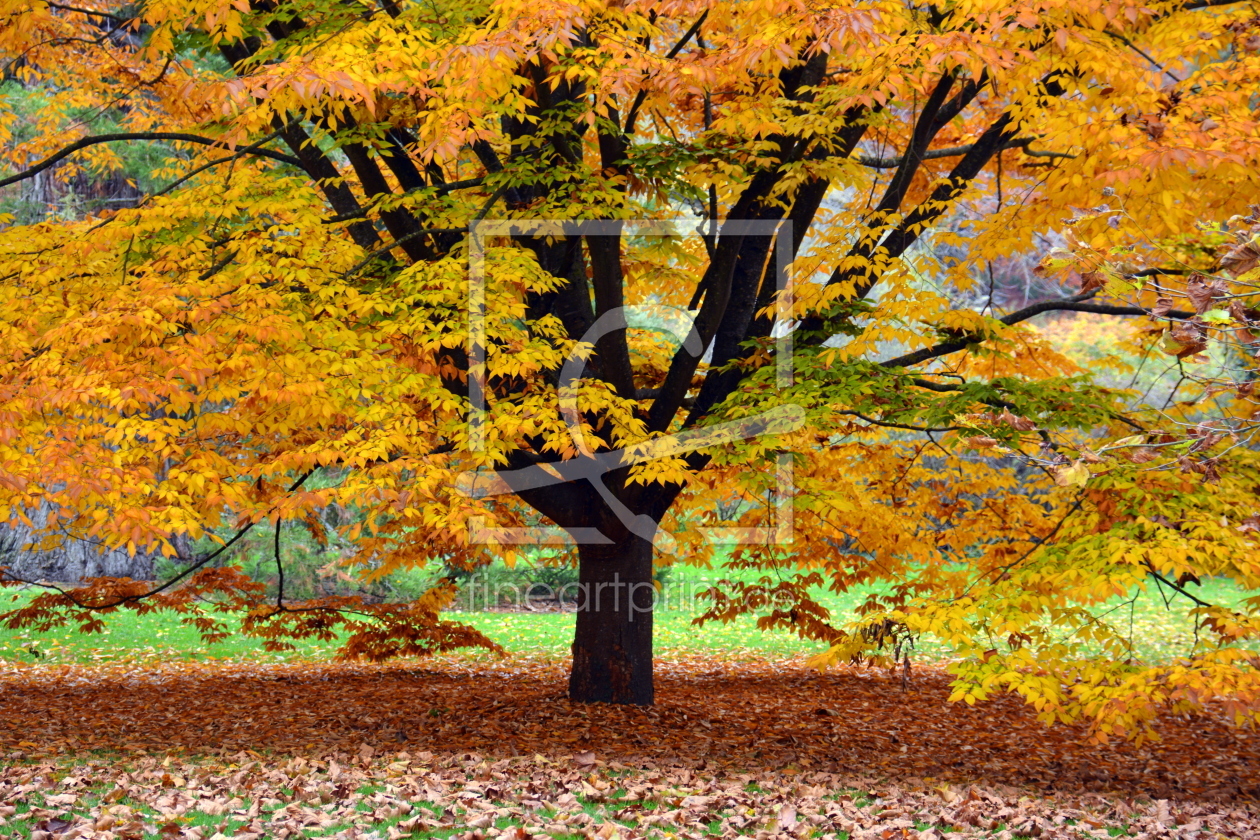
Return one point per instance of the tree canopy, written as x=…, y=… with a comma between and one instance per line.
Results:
x=672, y=279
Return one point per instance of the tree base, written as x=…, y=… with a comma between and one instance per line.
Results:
x=612, y=644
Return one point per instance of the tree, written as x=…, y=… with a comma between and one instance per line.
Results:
x=73, y=561
x=299, y=300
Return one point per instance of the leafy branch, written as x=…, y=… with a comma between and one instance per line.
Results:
x=172, y=136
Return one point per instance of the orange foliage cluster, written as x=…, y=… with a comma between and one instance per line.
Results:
x=373, y=631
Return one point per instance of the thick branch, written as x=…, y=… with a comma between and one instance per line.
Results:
x=1210, y=4
x=401, y=224
x=925, y=129
x=718, y=385
x=912, y=226
x=315, y=163
x=717, y=288
x=328, y=178
x=399, y=161
x=737, y=265
x=440, y=189
x=612, y=351
x=967, y=91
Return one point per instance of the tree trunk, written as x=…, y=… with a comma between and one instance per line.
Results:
x=74, y=561
x=612, y=646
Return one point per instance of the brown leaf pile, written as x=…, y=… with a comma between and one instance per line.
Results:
x=496, y=751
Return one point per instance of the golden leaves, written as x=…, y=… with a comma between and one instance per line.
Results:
x=1075, y=474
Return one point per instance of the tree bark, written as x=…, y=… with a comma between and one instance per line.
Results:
x=612, y=646
x=74, y=561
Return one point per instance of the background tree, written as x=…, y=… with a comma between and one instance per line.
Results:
x=296, y=300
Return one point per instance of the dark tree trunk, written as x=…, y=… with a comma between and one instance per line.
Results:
x=612, y=647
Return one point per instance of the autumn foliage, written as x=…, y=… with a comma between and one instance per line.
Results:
x=743, y=748
x=746, y=315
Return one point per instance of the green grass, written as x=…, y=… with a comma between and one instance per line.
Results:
x=1159, y=634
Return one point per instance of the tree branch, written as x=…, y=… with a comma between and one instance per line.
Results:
x=192, y=567
x=633, y=115
x=399, y=161
x=611, y=350
x=717, y=281
x=1123, y=40
x=198, y=170
x=733, y=277
x=719, y=384
x=967, y=91
x=916, y=221
x=106, y=15
x=439, y=189
x=1210, y=4
x=890, y=425
x=958, y=151
x=912, y=226
x=137, y=135
x=398, y=221
x=1199, y=601
x=385, y=249
x=925, y=130
x=1074, y=304
x=317, y=165
x=217, y=267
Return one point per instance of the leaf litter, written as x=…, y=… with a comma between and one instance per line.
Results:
x=494, y=750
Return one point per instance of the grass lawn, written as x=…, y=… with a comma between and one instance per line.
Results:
x=1159, y=633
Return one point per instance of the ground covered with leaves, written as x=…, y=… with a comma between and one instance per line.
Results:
x=488, y=751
